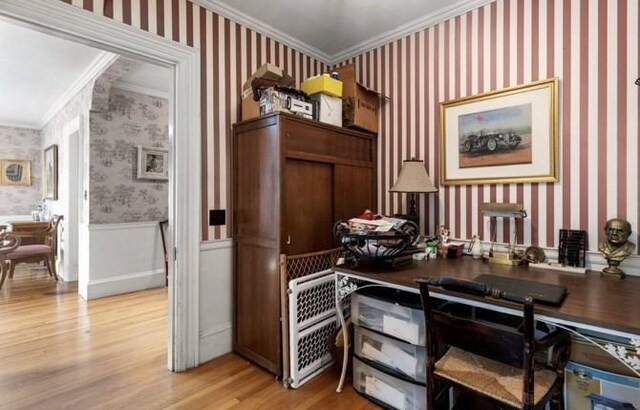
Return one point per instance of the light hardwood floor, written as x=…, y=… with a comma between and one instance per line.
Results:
x=58, y=351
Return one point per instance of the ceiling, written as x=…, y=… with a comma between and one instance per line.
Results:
x=40, y=72
x=333, y=30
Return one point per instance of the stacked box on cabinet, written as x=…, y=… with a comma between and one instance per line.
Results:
x=389, y=353
x=326, y=93
x=360, y=105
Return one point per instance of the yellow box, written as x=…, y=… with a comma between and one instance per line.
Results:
x=322, y=84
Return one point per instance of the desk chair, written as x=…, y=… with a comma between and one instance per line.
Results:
x=492, y=365
x=37, y=246
x=8, y=243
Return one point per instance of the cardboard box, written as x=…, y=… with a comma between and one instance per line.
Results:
x=360, y=107
x=249, y=108
x=328, y=109
x=322, y=84
x=581, y=381
x=274, y=100
x=269, y=72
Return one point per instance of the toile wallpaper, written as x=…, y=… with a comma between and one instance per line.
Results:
x=116, y=195
x=21, y=143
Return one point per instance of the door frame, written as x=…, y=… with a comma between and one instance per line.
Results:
x=76, y=24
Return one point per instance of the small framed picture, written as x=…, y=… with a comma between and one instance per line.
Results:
x=51, y=172
x=15, y=172
x=153, y=163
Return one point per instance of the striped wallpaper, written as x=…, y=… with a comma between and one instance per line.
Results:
x=591, y=46
x=229, y=54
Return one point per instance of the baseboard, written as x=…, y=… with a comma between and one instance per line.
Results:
x=215, y=342
x=130, y=282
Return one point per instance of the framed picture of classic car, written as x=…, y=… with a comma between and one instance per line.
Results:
x=504, y=136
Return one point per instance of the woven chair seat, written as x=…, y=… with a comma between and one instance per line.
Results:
x=498, y=380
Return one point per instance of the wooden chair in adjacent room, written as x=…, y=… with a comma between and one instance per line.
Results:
x=490, y=365
x=36, y=246
x=8, y=243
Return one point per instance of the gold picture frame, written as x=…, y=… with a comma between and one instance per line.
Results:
x=504, y=136
x=15, y=172
x=50, y=171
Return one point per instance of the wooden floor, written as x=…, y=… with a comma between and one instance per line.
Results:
x=58, y=351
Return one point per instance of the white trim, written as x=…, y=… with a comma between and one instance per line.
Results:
x=217, y=244
x=258, y=26
x=63, y=20
x=122, y=226
x=130, y=282
x=97, y=67
x=120, y=85
x=423, y=22
x=215, y=342
x=26, y=125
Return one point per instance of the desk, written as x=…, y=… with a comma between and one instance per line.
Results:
x=605, y=305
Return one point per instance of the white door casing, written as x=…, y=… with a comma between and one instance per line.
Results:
x=59, y=19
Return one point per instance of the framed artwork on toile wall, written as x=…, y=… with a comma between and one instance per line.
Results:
x=15, y=172
x=503, y=136
x=50, y=167
x=153, y=163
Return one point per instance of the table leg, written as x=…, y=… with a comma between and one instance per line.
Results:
x=345, y=341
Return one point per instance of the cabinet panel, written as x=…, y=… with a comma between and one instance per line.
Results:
x=257, y=315
x=256, y=188
x=308, y=207
x=329, y=143
x=353, y=191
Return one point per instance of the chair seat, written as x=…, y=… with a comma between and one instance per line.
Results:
x=492, y=378
x=25, y=251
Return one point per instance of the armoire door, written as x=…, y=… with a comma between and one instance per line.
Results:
x=307, y=212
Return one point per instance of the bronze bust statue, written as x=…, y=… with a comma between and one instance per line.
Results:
x=617, y=246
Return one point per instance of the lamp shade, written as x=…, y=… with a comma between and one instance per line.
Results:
x=413, y=178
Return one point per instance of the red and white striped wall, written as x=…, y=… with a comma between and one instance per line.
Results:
x=229, y=54
x=590, y=45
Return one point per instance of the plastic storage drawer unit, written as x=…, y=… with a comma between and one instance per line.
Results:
x=403, y=358
x=387, y=389
x=402, y=322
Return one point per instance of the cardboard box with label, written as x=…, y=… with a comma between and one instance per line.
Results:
x=360, y=105
x=250, y=107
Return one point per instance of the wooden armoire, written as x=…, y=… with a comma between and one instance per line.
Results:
x=292, y=180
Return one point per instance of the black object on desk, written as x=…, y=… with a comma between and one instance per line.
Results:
x=546, y=293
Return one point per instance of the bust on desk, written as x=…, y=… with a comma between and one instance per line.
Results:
x=616, y=247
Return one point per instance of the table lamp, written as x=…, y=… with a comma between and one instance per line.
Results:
x=413, y=179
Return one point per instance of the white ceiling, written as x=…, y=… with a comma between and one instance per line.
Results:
x=333, y=30
x=40, y=72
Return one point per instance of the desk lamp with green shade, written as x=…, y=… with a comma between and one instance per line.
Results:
x=413, y=179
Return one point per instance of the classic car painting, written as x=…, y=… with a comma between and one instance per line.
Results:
x=495, y=137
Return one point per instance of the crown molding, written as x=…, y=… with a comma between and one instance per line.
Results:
x=13, y=124
x=256, y=25
x=124, y=86
x=421, y=23
x=428, y=20
x=97, y=66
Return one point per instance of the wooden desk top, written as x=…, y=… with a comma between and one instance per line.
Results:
x=591, y=299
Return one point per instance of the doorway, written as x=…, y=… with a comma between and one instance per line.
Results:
x=58, y=19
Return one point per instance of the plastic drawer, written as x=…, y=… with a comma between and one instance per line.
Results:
x=406, y=359
x=402, y=322
x=391, y=391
